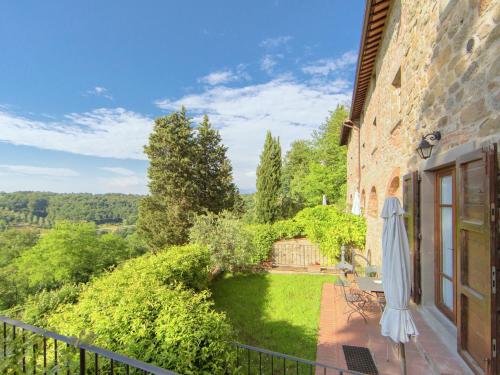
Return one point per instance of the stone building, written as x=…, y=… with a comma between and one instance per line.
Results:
x=431, y=66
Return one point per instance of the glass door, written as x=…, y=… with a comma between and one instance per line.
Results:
x=445, y=242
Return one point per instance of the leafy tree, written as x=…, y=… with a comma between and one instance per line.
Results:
x=227, y=238
x=267, y=198
x=314, y=168
x=332, y=155
x=217, y=192
x=295, y=168
x=38, y=205
x=13, y=243
x=70, y=252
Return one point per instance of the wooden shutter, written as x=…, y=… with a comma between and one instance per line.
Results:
x=477, y=259
x=411, y=205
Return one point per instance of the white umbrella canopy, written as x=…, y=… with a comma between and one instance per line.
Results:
x=397, y=321
x=356, y=204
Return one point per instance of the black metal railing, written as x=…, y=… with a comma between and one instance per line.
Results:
x=25, y=348
x=256, y=361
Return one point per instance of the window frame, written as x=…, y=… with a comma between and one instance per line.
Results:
x=438, y=273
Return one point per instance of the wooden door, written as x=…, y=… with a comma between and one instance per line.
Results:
x=476, y=287
x=411, y=206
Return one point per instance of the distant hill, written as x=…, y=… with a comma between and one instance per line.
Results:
x=42, y=208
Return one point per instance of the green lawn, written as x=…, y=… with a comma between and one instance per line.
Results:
x=279, y=312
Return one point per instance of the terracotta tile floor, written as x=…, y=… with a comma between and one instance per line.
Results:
x=335, y=331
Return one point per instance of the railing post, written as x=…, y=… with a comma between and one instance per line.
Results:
x=82, y=361
x=44, y=355
x=248, y=361
x=23, y=336
x=4, y=339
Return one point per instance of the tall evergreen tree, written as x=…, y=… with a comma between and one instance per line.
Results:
x=189, y=173
x=164, y=215
x=217, y=192
x=267, y=198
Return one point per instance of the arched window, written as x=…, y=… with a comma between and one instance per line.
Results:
x=373, y=203
x=393, y=188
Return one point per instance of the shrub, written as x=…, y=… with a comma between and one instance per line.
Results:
x=37, y=308
x=286, y=229
x=187, y=265
x=331, y=228
x=144, y=310
x=227, y=239
x=263, y=237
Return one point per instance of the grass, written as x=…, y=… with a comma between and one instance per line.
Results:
x=279, y=312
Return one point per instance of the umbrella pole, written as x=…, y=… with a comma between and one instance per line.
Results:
x=402, y=353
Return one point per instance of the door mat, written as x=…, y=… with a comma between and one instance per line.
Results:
x=359, y=359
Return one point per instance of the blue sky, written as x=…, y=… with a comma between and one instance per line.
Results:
x=81, y=82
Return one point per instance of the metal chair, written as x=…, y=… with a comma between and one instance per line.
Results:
x=372, y=271
x=355, y=300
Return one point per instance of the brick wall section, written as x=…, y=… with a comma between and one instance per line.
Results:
x=443, y=86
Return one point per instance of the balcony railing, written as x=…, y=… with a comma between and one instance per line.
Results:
x=25, y=348
x=28, y=349
x=257, y=361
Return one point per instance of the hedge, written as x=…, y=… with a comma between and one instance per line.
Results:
x=327, y=226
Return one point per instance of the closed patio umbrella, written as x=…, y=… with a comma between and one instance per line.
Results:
x=397, y=321
x=356, y=204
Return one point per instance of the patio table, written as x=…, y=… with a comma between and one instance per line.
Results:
x=372, y=285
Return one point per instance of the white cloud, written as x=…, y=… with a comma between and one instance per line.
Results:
x=290, y=109
x=115, y=133
x=119, y=170
x=216, y=78
x=326, y=66
x=100, y=91
x=225, y=76
x=133, y=184
x=39, y=171
x=275, y=42
x=268, y=63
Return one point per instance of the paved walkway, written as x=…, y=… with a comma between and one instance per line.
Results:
x=427, y=356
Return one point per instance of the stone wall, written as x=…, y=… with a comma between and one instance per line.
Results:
x=438, y=68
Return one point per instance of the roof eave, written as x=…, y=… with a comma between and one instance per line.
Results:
x=380, y=10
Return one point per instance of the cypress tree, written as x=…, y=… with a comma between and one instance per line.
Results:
x=164, y=215
x=189, y=173
x=267, y=198
x=216, y=190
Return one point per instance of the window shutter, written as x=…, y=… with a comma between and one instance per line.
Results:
x=477, y=223
x=411, y=206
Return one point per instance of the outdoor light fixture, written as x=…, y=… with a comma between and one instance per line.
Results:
x=424, y=148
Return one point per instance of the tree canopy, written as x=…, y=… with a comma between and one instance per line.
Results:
x=43, y=208
x=189, y=173
x=316, y=167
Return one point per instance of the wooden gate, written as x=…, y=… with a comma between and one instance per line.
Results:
x=299, y=254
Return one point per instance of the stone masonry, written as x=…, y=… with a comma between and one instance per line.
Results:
x=438, y=68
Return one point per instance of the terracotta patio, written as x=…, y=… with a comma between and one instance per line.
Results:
x=428, y=355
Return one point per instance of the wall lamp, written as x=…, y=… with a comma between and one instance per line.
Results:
x=424, y=148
